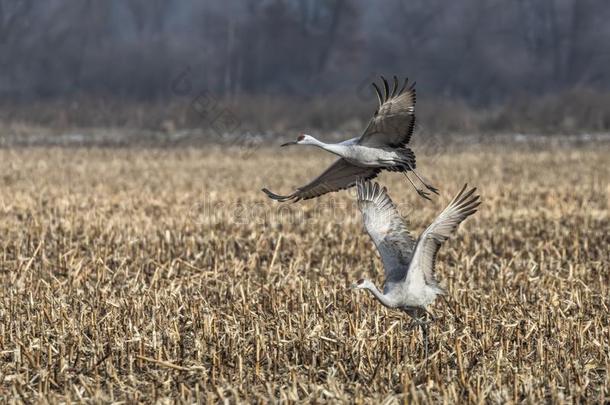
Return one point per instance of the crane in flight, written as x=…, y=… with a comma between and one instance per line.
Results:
x=382, y=146
x=410, y=284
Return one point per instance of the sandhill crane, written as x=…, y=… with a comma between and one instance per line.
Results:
x=410, y=284
x=382, y=146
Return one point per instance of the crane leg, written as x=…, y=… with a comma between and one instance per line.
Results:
x=428, y=186
x=457, y=318
x=422, y=324
x=421, y=192
x=430, y=316
x=424, y=331
x=413, y=311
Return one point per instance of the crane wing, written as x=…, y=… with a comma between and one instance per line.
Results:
x=340, y=175
x=387, y=228
x=461, y=207
x=393, y=122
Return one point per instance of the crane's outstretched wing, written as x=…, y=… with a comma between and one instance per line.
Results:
x=387, y=228
x=421, y=269
x=338, y=176
x=393, y=122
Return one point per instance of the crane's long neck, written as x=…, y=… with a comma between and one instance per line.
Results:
x=381, y=297
x=335, y=148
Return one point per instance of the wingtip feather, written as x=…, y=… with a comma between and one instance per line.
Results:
x=276, y=197
x=360, y=188
x=369, y=190
x=386, y=88
x=395, y=89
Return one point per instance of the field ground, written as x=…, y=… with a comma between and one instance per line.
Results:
x=146, y=274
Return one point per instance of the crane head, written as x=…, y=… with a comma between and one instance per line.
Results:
x=362, y=283
x=302, y=139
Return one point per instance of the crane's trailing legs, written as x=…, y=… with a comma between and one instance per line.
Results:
x=419, y=190
x=428, y=186
x=405, y=166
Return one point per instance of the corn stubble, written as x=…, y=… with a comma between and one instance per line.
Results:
x=142, y=275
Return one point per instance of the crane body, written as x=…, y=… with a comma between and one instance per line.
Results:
x=382, y=146
x=410, y=283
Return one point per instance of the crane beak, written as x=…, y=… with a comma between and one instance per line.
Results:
x=289, y=143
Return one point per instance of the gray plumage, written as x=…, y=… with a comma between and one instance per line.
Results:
x=382, y=146
x=410, y=283
x=387, y=229
x=340, y=175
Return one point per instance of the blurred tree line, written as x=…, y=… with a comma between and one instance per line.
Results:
x=479, y=52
